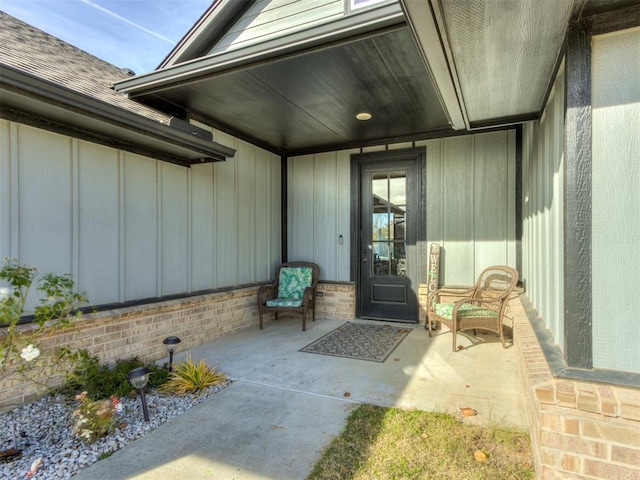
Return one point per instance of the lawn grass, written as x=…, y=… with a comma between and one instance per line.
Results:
x=390, y=443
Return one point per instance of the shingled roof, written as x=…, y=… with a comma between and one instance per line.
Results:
x=37, y=53
x=50, y=84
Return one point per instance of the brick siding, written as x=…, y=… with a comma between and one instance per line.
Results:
x=579, y=430
x=139, y=330
x=337, y=301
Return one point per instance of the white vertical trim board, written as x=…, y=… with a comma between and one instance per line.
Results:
x=121, y=228
x=75, y=214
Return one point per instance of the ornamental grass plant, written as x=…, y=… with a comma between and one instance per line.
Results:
x=191, y=377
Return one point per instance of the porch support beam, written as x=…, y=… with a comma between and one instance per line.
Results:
x=284, y=162
x=578, y=347
x=519, y=222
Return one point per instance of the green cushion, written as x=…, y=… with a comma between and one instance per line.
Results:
x=445, y=310
x=284, y=302
x=292, y=282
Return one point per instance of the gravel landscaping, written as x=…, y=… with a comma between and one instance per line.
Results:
x=43, y=430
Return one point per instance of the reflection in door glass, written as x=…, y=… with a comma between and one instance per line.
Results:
x=388, y=223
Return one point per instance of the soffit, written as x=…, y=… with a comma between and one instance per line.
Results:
x=501, y=53
x=310, y=100
x=440, y=65
x=301, y=92
x=497, y=58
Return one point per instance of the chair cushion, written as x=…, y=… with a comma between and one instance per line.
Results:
x=292, y=282
x=284, y=302
x=445, y=310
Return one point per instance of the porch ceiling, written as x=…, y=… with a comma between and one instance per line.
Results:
x=424, y=69
x=311, y=99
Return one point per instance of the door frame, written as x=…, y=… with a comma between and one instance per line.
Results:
x=419, y=156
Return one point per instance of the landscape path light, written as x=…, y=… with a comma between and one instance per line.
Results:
x=139, y=378
x=170, y=343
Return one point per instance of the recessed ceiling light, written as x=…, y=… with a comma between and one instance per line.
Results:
x=363, y=116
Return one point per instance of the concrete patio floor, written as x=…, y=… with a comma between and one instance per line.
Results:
x=284, y=405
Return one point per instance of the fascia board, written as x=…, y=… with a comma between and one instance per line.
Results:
x=427, y=28
x=206, y=29
x=351, y=26
x=32, y=89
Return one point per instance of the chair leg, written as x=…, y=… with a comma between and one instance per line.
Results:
x=454, y=333
x=504, y=345
x=260, y=315
x=428, y=325
x=304, y=319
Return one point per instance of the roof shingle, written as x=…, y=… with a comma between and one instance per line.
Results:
x=30, y=50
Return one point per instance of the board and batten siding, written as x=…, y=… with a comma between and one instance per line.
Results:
x=318, y=212
x=470, y=205
x=616, y=200
x=543, y=211
x=129, y=227
x=268, y=19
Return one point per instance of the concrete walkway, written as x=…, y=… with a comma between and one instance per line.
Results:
x=285, y=406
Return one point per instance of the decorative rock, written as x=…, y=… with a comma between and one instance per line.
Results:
x=43, y=430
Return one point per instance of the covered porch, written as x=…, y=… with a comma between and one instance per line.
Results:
x=285, y=405
x=167, y=250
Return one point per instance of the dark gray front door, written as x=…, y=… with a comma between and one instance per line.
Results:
x=389, y=264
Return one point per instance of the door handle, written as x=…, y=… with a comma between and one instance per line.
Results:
x=364, y=259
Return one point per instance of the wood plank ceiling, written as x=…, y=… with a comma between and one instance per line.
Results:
x=432, y=64
x=310, y=100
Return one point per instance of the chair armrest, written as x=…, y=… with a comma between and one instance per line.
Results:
x=309, y=295
x=266, y=292
x=450, y=295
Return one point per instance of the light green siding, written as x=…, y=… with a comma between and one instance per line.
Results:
x=542, y=211
x=268, y=19
x=319, y=212
x=616, y=200
x=130, y=227
x=470, y=205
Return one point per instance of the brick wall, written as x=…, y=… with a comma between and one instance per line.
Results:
x=579, y=430
x=139, y=331
x=337, y=301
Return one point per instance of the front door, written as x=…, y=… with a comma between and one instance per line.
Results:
x=388, y=256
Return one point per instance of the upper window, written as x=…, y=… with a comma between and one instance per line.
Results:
x=355, y=4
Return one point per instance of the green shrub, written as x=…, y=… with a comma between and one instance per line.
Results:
x=103, y=381
x=188, y=377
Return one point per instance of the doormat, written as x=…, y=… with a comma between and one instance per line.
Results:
x=357, y=340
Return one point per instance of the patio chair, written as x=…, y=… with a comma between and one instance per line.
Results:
x=482, y=307
x=294, y=290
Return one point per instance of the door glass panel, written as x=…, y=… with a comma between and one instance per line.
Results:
x=380, y=264
x=397, y=188
x=380, y=189
x=380, y=224
x=398, y=230
x=388, y=223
